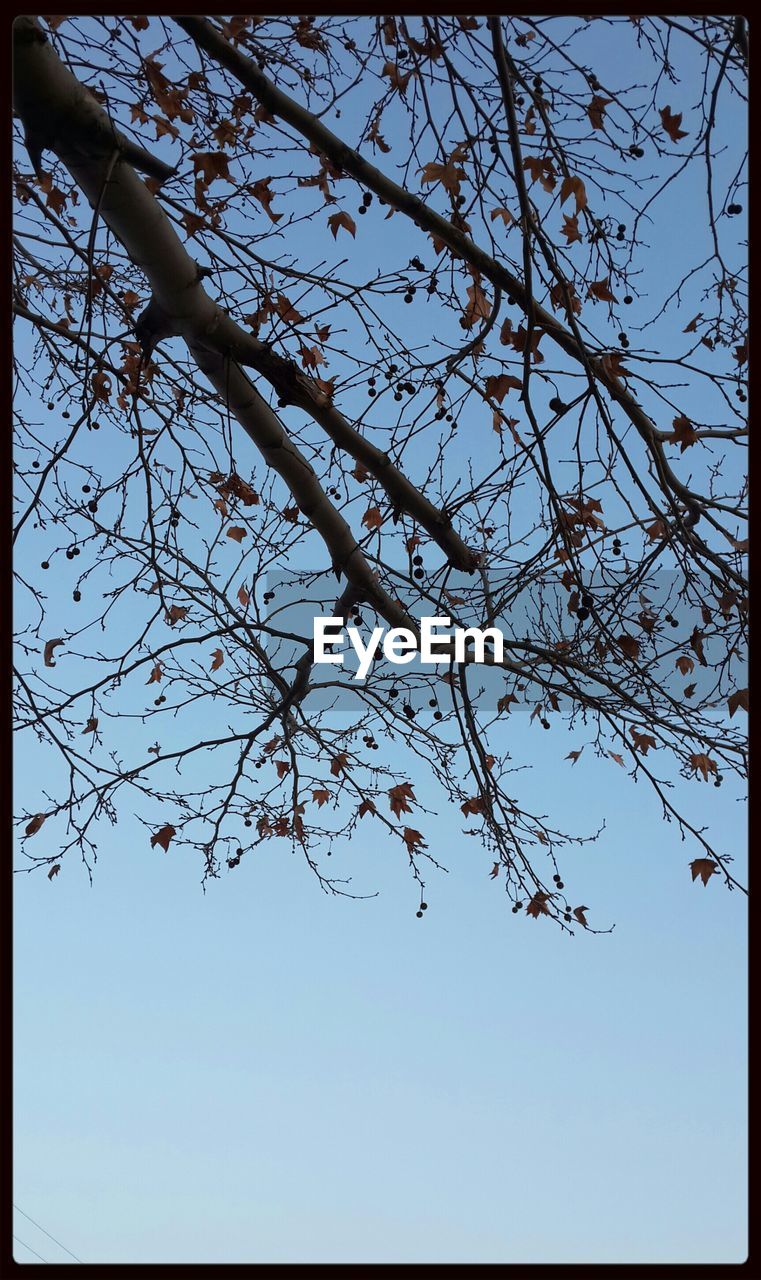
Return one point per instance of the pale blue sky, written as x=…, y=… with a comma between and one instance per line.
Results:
x=263, y=1073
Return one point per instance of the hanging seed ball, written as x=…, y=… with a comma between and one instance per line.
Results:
x=560, y=884
x=582, y=614
x=418, y=573
x=45, y=564
x=438, y=715
x=628, y=299
x=419, y=915
x=76, y=596
x=95, y=426
x=35, y=464
x=637, y=152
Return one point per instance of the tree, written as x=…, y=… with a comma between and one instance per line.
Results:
x=339, y=296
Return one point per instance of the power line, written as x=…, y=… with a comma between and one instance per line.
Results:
x=47, y=1233
x=29, y=1247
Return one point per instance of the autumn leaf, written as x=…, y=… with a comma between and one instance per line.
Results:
x=338, y=763
x=613, y=366
x=283, y=767
x=684, y=434
x=237, y=532
x=310, y=357
x=56, y=867
x=494, y=871
x=479, y=306
x=234, y=486
x=412, y=839
x=703, y=867
x=671, y=124
x=50, y=647
x=703, y=764
x=261, y=191
x=33, y=826
x=176, y=613
x=155, y=675
x=101, y=386
x=629, y=645
x=502, y=213
x=574, y=187
x=338, y=220
x=372, y=519
x=366, y=806
x=497, y=386
x=570, y=228
x=642, y=742
x=538, y=905
x=601, y=290
x=243, y=596
x=321, y=795
x=738, y=699
x=542, y=170
x=505, y=702
x=618, y=759
x=219, y=658
x=163, y=837
x=596, y=111
x=210, y=165
x=92, y=725
x=473, y=805
x=399, y=797
x=696, y=644
x=574, y=755
x=449, y=175
x=397, y=78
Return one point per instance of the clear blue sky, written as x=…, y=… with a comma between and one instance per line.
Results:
x=265, y=1074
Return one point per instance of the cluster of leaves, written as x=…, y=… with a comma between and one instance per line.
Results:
x=591, y=464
